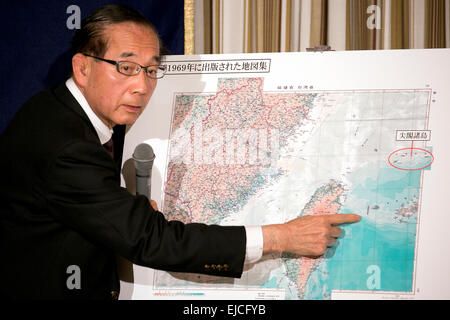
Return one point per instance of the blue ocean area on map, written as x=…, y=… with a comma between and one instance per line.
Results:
x=389, y=250
x=376, y=254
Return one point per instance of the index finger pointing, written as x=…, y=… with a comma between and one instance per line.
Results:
x=336, y=219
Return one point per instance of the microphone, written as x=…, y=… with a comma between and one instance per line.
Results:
x=143, y=157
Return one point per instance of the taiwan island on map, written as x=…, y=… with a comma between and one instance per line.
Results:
x=242, y=156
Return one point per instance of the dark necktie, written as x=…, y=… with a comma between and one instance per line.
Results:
x=109, y=146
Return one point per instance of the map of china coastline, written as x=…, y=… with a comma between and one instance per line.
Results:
x=248, y=157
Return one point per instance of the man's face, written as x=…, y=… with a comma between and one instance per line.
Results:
x=116, y=98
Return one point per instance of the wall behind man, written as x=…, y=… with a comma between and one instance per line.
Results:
x=223, y=26
x=36, y=42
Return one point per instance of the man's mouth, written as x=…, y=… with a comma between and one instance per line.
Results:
x=132, y=108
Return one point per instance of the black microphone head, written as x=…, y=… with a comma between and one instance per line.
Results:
x=143, y=157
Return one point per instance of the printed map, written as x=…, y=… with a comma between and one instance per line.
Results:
x=242, y=156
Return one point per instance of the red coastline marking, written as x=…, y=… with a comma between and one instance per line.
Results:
x=414, y=169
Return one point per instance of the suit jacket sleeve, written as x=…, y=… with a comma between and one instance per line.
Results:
x=82, y=193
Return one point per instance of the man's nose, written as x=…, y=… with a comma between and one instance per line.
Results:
x=142, y=84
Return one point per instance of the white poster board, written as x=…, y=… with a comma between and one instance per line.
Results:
x=264, y=138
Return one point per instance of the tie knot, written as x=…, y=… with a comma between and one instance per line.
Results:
x=109, y=146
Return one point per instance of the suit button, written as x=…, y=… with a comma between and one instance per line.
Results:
x=114, y=295
x=206, y=266
x=226, y=267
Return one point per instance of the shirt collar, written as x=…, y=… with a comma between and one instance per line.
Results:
x=103, y=131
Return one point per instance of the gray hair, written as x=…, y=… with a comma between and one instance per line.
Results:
x=90, y=38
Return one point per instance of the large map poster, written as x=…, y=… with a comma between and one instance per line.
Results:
x=264, y=138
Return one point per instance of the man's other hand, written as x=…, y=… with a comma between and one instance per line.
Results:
x=154, y=205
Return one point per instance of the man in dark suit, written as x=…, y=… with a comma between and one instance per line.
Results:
x=63, y=213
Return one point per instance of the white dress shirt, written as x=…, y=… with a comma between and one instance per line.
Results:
x=254, y=246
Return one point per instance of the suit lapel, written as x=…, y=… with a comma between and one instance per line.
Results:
x=63, y=94
x=65, y=97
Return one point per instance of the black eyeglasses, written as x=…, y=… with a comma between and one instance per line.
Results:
x=129, y=68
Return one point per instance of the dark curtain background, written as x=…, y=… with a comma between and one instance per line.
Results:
x=35, y=40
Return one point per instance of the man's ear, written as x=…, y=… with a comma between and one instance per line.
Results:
x=81, y=69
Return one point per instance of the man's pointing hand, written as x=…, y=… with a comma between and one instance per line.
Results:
x=306, y=236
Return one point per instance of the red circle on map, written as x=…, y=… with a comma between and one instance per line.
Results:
x=414, y=169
